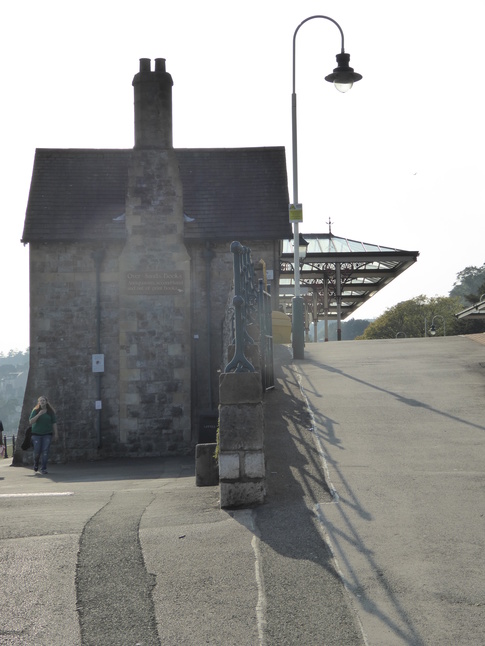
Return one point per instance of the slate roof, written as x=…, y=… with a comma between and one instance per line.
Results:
x=75, y=194
x=229, y=193
x=235, y=193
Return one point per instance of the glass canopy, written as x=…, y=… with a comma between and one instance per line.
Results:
x=338, y=275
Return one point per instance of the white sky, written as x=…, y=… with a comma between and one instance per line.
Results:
x=397, y=161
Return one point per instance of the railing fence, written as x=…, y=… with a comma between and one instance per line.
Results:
x=7, y=446
x=252, y=306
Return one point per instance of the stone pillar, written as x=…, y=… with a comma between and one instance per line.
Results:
x=241, y=426
x=154, y=311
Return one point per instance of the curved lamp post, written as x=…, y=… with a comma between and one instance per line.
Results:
x=343, y=77
x=432, y=330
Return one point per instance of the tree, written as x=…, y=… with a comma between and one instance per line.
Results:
x=477, y=296
x=469, y=285
x=350, y=329
x=15, y=357
x=411, y=318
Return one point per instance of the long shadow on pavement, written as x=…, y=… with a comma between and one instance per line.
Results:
x=116, y=469
x=305, y=599
x=293, y=544
x=324, y=431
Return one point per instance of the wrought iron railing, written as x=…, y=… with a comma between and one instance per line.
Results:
x=266, y=337
x=252, y=305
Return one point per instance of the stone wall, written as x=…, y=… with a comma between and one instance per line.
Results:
x=144, y=329
x=64, y=337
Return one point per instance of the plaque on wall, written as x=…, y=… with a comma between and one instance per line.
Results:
x=154, y=282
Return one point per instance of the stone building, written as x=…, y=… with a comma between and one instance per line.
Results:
x=130, y=273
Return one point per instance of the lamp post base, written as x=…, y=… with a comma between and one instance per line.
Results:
x=298, y=328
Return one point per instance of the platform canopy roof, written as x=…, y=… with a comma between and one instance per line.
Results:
x=476, y=311
x=364, y=269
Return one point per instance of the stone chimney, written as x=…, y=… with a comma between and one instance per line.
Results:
x=153, y=106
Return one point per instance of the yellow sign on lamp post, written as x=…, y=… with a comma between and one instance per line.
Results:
x=296, y=213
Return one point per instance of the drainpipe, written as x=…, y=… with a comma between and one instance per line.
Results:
x=265, y=277
x=208, y=257
x=98, y=256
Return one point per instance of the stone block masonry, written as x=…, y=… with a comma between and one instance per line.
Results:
x=154, y=324
x=241, y=430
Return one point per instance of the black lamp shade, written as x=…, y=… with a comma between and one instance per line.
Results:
x=343, y=73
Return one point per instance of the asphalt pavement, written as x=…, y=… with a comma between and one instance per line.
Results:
x=372, y=531
x=118, y=553
x=400, y=425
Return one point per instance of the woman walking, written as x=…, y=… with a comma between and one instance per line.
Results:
x=44, y=426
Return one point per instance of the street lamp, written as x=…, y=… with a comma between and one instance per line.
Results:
x=343, y=77
x=302, y=247
x=432, y=330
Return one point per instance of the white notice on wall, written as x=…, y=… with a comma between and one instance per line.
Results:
x=98, y=362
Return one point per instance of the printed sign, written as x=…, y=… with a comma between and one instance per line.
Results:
x=155, y=282
x=296, y=212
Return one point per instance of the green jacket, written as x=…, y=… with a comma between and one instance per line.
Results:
x=44, y=425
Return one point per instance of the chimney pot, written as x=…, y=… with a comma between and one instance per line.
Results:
x=159, y=65
x=153, y=106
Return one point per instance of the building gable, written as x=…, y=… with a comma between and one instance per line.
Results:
x=79, y=194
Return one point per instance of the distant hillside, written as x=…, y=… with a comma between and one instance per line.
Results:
x=14, y=368
x=350, y=329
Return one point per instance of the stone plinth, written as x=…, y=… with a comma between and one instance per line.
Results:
x=206, y=465
x=241, y=427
